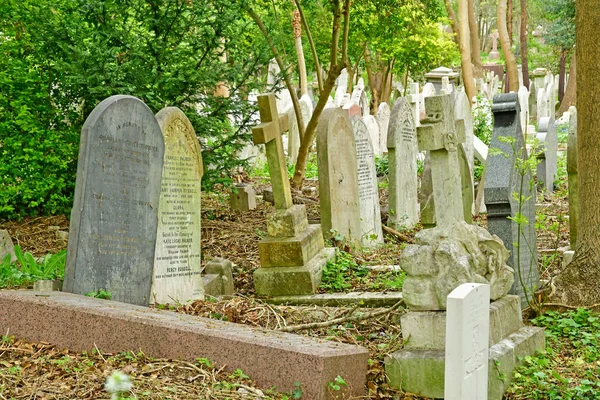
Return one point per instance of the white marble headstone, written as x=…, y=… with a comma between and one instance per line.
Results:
x=467, y=342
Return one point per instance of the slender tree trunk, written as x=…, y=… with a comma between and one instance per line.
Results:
x=561, y=75
x=570, y=97
x=341, y=11
x=523, y=38
x=509, y=20
x=297, y=27
x=453, y=20
x=475, y=43
x=579, y=282
x=509, y=57
x=465, y=49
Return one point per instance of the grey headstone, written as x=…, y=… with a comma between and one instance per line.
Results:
x=177, y=259
x=547, y=154
x=338, y=180
x=502, y=181
x=383, y=120
x=402, y=166
x=112, y=234
x=368, y=192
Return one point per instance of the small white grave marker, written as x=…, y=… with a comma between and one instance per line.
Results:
x=467, y=342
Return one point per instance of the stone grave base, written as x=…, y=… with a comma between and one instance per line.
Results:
x=287, y=281
x=365, y=299
x=271, y=358
x=419, y=366
x=292, y=258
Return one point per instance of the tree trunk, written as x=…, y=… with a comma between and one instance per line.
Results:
x=509, y=57
x=509, y=20
x=570, y=97
x=523, y=38
x=297, y=27
x=475, y=43
x=561, y=75
x=453, y=20
x=465, y=49
x=579, y=282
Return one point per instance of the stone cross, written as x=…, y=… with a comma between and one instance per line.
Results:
x=439, y=136
x=467, y=342
x=268, y=132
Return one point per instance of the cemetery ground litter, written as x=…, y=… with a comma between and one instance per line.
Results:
x=41, y=371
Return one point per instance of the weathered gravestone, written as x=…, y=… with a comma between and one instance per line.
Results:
x=502, y=182
x=338, y=180
x=6, y=246
x=415, y=102
x=402, y=167
x=177, y=260
x=547, y=154
x=467, y=342
x=368, y=192
x=383, y=121
x=572, y=171
x=292, y=258
x=306, y=108
x=532, y=102
x=494, y=54
x=112, y=234
x=438, y=179
x=342, y=88
x=243, y=197
x=524, y=104
x=373, y=130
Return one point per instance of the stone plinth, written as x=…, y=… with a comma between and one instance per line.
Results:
x=435, y=76
x=271, y=359
x=292, y=258
x=242, y=198
x=419, y=367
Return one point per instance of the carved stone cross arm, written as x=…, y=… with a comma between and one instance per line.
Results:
x=268, y=132
x=438, y=130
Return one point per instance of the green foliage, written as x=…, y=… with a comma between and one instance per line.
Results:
x=337, y=383
x=61, y=58
x=560, y=32
x=389, y=281
x=100, y=294
x=574, y=334
x=382, y=165
x=27, y=269
x=483, y=122
x=338, y=275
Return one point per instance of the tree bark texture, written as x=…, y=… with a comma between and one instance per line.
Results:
x=561, y=75
x=579, y=283
x=453, y=20
x=509, y=57
x=465, y=49
x=297, y=27
x=570, y=97
x=509, y=20
x=523, y=39
x=475, y=42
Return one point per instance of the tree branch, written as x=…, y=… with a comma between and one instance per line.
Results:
x=286, y=75
x=313, y=48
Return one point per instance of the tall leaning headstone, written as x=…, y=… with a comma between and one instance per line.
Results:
x=368, y=192
x=114, y=219
x=177, y=261
x=572, y=170
x=502, y=181
x=338, y=179
x=402, y=159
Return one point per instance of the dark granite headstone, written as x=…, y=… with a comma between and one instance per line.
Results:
x=502, y=181
x=114, y=219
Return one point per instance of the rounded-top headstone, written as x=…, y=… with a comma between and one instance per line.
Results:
x=114, y=217
x=177, y=267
